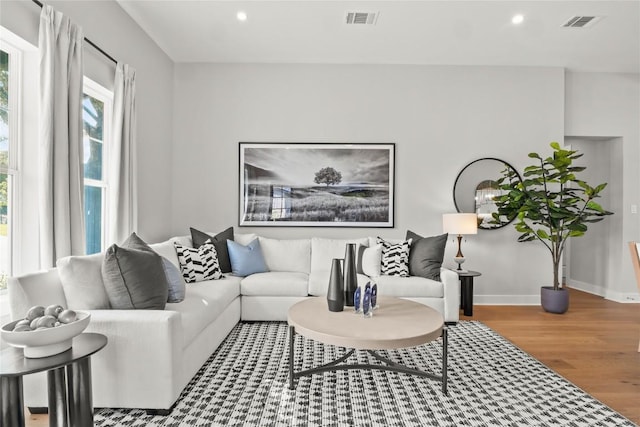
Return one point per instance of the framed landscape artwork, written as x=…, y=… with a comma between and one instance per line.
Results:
x=316, y=184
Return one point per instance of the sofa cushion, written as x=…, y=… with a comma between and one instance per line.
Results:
x=246, y=260
x=319, y=282
x=134, y=276
x=426, y=255
x=323, y=251
x=81, y=278
x=167, y=249
x=175, y=282
x=244, y=238
x=276, y=283
x=219, y=240
x=198, y=264
x=203, y=303
x=412, y=286
x=287, y=255
x=374, y=240
x=395, y=257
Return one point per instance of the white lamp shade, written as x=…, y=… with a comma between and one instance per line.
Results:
x=460, y=223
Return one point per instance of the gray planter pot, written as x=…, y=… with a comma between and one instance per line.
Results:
x=554, y=301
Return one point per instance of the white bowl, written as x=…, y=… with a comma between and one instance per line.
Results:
x=46, y=342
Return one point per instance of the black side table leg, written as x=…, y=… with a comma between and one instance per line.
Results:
x=467, y=295
x=12, y=401
x=292, y=337
x=445, y=359
x=57, y=384
x=80, y=394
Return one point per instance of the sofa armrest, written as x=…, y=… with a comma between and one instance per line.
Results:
x=40, y=288
x=449, y=279
x=142, y=362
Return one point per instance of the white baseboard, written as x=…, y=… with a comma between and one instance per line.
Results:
x=587, y=287
x=506, y=299
x=621, y=297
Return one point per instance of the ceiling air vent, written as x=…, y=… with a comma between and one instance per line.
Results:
x=367, y=18
x=580, y=21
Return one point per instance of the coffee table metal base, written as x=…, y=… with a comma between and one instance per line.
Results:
x=339, y=365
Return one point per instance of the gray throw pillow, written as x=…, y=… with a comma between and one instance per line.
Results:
x=198, y=238
x=426, y=255
x=177, y=287
x=134, y=276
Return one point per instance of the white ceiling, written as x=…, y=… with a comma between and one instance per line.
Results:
x=407, y=32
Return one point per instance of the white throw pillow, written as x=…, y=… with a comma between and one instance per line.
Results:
x=372, y=260
x=287, y=255
x=81, y=278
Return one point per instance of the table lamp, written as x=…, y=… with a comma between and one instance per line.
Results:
x=460, y=223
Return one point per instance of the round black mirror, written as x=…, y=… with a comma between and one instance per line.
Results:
x=476, y=187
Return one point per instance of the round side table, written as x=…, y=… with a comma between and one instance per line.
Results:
x=466, y=290
x=70, y=399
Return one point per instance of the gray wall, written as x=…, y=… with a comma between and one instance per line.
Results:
x=607, y=106
x=440, y=117
x=108, y=26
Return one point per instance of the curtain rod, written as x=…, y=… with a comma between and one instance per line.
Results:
x=87, y=40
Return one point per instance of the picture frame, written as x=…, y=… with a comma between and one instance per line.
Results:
x=317, y=184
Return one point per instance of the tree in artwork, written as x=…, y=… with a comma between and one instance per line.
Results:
x=328, y=176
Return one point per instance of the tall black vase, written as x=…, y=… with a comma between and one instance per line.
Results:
x=335, y=293
x=350, y=274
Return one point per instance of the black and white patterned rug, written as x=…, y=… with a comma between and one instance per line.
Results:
x=491, y=383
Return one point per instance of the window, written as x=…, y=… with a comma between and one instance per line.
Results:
x=10, y=63
x=280, y=202
x=96, y=118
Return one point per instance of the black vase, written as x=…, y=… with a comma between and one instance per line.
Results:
x=350, y=274
x=335, y=293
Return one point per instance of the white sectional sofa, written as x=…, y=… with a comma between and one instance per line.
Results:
x=152, y=354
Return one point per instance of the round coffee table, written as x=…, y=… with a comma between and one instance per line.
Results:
x=397, y=323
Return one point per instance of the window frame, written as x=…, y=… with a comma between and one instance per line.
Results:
x=14, y=106
x=99, y=92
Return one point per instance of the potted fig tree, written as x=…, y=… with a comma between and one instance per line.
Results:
x=550, y=204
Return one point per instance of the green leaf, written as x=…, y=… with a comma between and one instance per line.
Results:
x=555, y=145
x=600, y=187
x=542, y=234
x=577, y=168
x=594, y=206
x=577, y=227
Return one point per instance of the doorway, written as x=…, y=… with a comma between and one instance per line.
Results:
x=590, y=261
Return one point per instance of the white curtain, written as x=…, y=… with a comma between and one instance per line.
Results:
x=122, y=198
x=61, y=188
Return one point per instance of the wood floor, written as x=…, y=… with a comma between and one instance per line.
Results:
x=594, y=345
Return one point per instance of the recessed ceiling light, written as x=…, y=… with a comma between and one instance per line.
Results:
x=242, y=16
x=517, y=19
